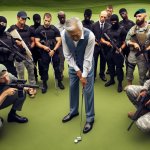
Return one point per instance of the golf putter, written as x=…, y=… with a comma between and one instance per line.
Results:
x=56, y=87
x=79, y=138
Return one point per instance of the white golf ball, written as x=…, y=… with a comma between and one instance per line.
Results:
x=75, y=141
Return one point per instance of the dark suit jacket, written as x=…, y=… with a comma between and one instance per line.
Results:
x=97, y=31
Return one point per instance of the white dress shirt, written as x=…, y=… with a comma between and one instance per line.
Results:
x=88, y=56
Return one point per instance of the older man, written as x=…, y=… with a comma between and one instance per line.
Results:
x=98, y=29
x=78, y=47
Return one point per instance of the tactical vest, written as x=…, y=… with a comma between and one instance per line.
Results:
x=25, y=34
x=141, y=35
x=115, y=35
x=79, y=51
x=48, y=37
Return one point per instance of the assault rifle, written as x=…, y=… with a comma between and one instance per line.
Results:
x=14, y=51
x=20, y=85
x=143, y=51
x=113, y=44
x=141, y=106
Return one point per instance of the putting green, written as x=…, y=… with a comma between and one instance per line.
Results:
x=45, y=129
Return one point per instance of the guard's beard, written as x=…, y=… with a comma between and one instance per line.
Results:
x=139, y=23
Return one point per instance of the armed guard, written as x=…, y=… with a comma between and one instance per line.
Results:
x=138, y=38
x=6, y=57
x=48, y=40
x=28, y=37
x=114, y=57
x=127, y=24
x=35, y=50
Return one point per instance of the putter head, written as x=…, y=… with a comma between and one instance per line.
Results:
x=79, y=138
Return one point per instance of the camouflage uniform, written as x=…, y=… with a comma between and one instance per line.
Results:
x=137, y=35
x=26, y=33
x=30, y=68
x=133, y=92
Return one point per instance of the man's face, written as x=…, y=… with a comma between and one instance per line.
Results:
x=5, y=78
x=62, y=19
x=75, y=34
x=124, y=15
x=140, y=19
x=87, y=17
x=37, y=21
x=103, y=17
x=47, y=21
x=109, y=12
x=21, y=21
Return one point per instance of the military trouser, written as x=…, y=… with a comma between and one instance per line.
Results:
x=142, y=69
x=15, y=101
x=133, y=92
x=30, y=70
x=143, y=122
x=45, y=61
x=115, y=60
x=36, y=58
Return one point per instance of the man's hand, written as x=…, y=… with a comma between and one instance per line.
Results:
x=143, y=93
x=10, y=91
x=51, y=53
x=136, y=46
x=83, y=81
x=147, y=103
x=79, y=74
x=19, y=43
x=46, y=48
x=109, y=44
x=32, y=91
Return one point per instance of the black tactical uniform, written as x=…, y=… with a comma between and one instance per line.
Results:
x=87, y=23
x=117, y=34
x=47, y=37
x=6, y=57
x=35, y=51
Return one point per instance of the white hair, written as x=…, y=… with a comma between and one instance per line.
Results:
x=72, y=23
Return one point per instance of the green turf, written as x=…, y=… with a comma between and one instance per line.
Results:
x=45, y=112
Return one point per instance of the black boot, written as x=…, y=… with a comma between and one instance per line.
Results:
x=60, y=85
x=110, y=82
x=13, y=117
x=44, y=88
x=119, y=89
